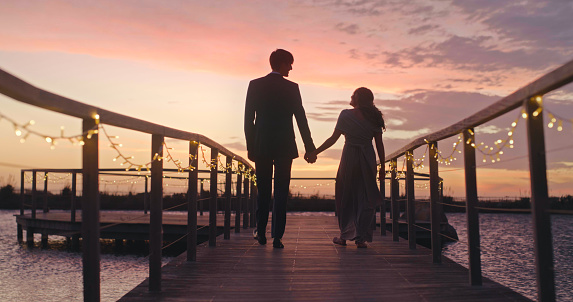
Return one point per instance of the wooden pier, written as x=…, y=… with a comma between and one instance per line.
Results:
x=312, y=268
x=129, y=225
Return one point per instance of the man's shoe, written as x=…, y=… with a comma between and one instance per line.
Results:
x=339, y=241
x=278, y=244
x=260, y=238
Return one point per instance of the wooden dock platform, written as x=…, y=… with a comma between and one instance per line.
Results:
x=312, y=268
x=129, y=225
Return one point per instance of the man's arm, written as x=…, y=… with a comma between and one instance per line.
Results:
x=302, y=123
x=250, y=121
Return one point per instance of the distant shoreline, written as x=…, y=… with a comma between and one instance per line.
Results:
x=10, y=199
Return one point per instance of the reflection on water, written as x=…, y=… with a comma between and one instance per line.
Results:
x=55, y=274
x=507, y=251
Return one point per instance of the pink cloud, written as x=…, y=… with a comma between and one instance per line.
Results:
x=331, y=46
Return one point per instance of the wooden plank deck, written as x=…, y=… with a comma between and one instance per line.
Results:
x=312, y=268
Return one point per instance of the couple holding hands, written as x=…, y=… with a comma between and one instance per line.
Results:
x=270, y=105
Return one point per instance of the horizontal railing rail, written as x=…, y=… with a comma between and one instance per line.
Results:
x=24, y=92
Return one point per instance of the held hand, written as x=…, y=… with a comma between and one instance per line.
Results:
x=310, y=157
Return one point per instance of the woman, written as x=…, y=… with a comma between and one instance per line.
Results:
x=357, y=193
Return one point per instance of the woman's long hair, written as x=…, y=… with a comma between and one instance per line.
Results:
x=365, y=102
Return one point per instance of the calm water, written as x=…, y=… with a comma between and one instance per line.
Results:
x=507, y=251
x=55, y=274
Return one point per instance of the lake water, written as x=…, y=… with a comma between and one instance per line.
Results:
x=507, y=251
x=55, y=274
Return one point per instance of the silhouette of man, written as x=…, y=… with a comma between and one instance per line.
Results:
x=271, y=103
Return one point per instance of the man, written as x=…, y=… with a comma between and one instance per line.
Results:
x=271, y=103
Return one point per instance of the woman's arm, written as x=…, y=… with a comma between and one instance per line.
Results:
x=381, y=154
x=329, y=141
x=311, y=156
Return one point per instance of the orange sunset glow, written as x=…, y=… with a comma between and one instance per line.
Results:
x=187, y=65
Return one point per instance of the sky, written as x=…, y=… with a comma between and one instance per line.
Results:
x=187, y=65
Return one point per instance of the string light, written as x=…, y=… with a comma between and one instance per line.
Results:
x=51, y=179
x=312, y=186
x=24, y=130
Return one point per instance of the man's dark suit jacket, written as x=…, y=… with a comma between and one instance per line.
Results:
x=271, y=102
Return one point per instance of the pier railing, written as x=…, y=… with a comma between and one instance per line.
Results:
x=92, y=117
x=530, y=98
x=35, y=176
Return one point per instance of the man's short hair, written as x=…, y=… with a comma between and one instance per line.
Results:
x=280, y=56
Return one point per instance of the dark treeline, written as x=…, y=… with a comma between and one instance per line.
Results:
x=557, y=203
x=10, y=199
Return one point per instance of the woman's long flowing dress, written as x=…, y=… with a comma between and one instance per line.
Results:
x=357, y=193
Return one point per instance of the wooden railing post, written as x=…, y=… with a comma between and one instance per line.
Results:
x=30, y=230
x=20, y=230
x=201, y=203
x=435, y=219
x=543, y=244
x=75, y=237
x=228, y=181
x=213, y=198
x=45, y=206
x=394, y=205
x=73, y=197
x=156, y=213
x=246, y=203
x=90, y=212
x=474, y=253
x=383, y=205
x=192, y=202
x=146, y=196
x=238, y=206
x=410, y=206
x=44, y=241
x=34, y=191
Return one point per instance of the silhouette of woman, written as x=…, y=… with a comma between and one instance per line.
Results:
x=357, y=193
